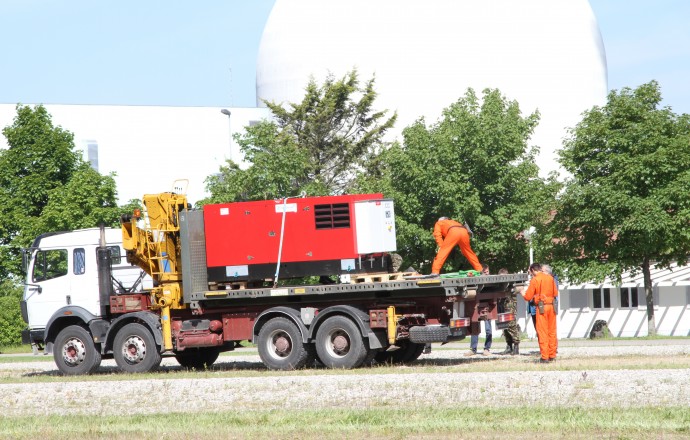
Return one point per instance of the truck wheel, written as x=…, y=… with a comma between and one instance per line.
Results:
x=197, y=358
x=74, y=351
x=369, y=358
x=339, y=343
x=383, y=357
x=135, y=350
x=281, y=346
x=408, y=352
x=413, y=352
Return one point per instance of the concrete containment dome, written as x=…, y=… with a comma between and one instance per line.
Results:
x=546, y=54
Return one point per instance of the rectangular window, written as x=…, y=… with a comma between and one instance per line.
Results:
x=115, y=256
x=579, y=299
x=114, y=253
x=50, y=264
x=625, y=298
x=79, y=261
x=629, y=298
x=642, y=297
x=332, y=216
x=601, y=298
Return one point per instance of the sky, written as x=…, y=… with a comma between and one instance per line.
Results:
x=181, y=53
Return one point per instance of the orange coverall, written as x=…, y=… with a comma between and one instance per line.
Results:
x=543, y=287
x=449, y=233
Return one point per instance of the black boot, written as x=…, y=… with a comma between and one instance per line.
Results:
x=516, y=349
x=508, y=350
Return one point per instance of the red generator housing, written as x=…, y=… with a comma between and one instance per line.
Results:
x=333, y=235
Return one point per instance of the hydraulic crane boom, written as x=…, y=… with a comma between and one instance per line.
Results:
x=151, y=239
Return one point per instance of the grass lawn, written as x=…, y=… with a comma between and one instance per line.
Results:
x=397, y=423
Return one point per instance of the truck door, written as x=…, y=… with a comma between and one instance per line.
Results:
x=83, y=279
x=61, y=277
x=47, y=285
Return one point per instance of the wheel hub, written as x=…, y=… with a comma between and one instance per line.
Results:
x=73, y=352
x=134, y=350
x=282, y=345
x=340, y=344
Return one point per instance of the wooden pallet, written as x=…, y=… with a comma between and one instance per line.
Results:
x=378, y=277
x=237, y=285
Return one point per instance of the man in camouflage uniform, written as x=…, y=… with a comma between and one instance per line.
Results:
x=512, y=333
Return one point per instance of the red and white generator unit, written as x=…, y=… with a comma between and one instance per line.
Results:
x=298, y=237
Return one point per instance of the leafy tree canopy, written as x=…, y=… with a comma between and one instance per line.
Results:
x=45, y=186
x=627, y=201
x=88, y=194
x=473, y=165
x=626, y=206
x=313, y=147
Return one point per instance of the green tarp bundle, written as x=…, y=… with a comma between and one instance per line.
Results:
x=462, y=274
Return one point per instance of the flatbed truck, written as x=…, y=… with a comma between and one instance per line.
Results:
x=145, y=291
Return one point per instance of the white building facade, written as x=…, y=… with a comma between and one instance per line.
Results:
x=148, y=147
x=624, y=306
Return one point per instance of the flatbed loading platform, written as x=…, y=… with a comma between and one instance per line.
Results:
x=417, y=287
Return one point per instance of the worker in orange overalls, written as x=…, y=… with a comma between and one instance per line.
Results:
x=542, y=288
x=447, y=234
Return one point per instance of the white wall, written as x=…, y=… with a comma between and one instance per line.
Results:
x=671, y=311
x=148, y=146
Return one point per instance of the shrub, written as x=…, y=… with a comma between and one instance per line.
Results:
x=11, y=322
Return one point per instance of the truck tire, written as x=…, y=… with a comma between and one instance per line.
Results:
x=413, y=352
x=197, y=358
x=369, y=358
x=339, y=343
x=74, y=351
x=428, y=334
x=135, y=350
x=281, y=346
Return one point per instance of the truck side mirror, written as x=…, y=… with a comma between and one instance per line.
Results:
x=39, y=289
x=25, y=260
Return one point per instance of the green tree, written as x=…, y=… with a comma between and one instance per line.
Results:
x=315, y=146
x=626, y=207
x=45, y=186
x=472, y=165
x=84, y=201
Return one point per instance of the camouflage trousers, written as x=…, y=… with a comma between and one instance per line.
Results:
x=512, y=333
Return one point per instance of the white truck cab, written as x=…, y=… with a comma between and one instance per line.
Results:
x=62, y=271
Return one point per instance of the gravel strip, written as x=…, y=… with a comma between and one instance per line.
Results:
x=598, y=388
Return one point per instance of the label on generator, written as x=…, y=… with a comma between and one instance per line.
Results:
x=237, y=271
x=287, y=207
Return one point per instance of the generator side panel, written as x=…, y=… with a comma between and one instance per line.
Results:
x=243, y=240
x=375, y=222
x=241, y=233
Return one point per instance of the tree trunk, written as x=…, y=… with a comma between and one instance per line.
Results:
x=649, y=294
